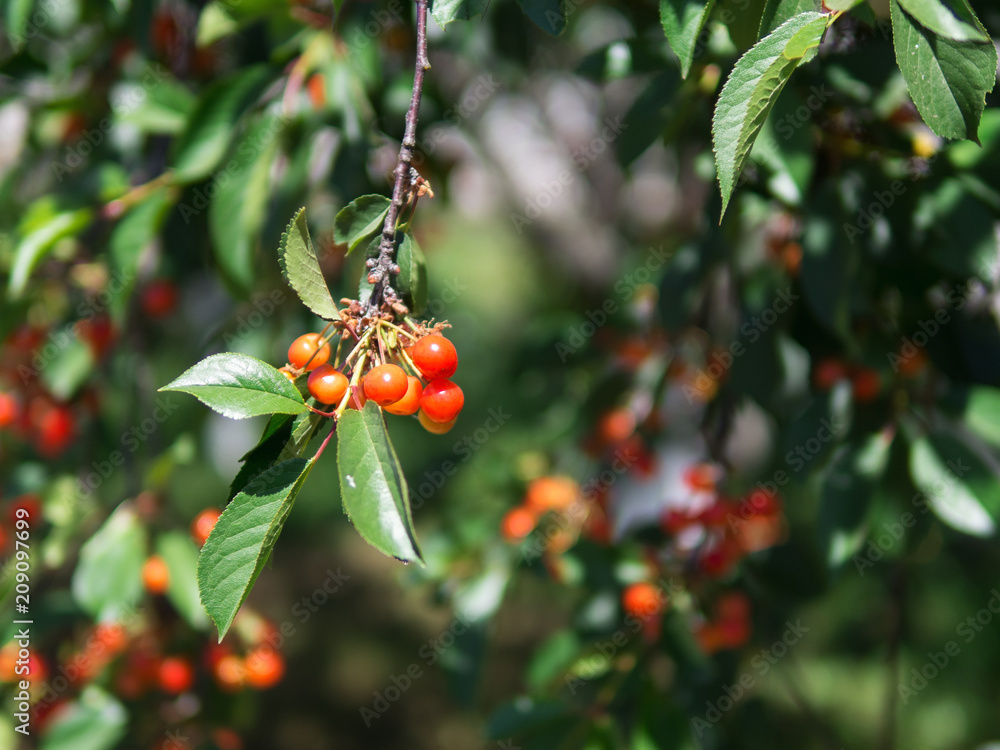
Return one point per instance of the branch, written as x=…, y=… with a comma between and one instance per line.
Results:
x=382, y=268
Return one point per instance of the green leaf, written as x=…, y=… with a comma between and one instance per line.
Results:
x=776, y=12
x=69, y=368
x=301, y=268
x=752, y=89
x=94, y=721
x=849, y=484
x=411, y=283
x=239, y=386
x=239, y=206
x=133, y=234
x=842, y=5
x=163, y=109
x=181, y=556
x=107, y=581
x=742, y=20
x=958, y=487
x=243, y=537
x=16, y=14
x=948, y=81
x=549, y=15
x=682, y=22
x=982, y=413
x=261, y=457
x=372, y=484
x=206, y=139
x=446, y=11
x=304, y=428
x=38, y=242
x=360, y=219
x=935, y=16
x=214, y=23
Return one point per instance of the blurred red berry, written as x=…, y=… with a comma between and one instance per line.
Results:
x=866, y=384
x=176, y=675
x=10, y=409
x=264, y=667
x=642, y=600
x=203, y=524
x=158, y=299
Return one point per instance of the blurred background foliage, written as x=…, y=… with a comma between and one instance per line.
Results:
x=714, y=485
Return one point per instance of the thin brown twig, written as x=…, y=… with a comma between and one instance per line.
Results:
x=384, y=267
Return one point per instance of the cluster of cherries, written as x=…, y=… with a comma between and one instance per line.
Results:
x=31, y=413
x=261, y=667
x=431, y=357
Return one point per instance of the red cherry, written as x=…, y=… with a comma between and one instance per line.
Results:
x=155, y=575
x=642, y=600
x=327, y=384
x=203, y=524
x=10, y=409
x=409, y=403
x=317, y=91
x=828, y=372
x=866, y=384
x=176, y=675
x=55, y=429
x=264, y=668
x=441, y=401
x=517, y=524
x=435, y=357
x=159, y=298
x=308, y=352
x=553, y=493
x=386, y=384
x=230, y=673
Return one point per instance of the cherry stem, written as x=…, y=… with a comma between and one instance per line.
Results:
x=387, y=246
x=326, y=440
